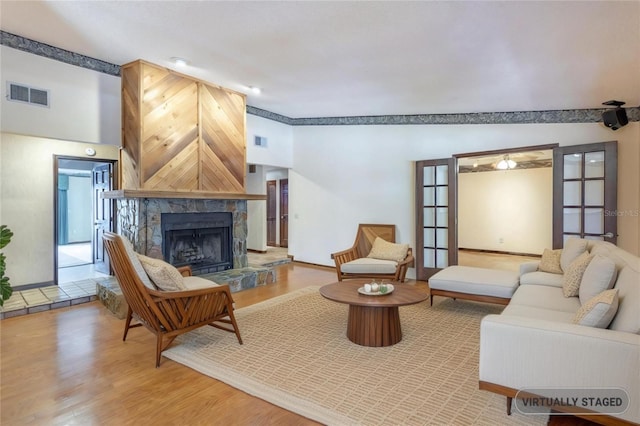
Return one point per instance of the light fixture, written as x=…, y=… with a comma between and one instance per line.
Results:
x=506, y=163
x=179, y=62
x=255, y=90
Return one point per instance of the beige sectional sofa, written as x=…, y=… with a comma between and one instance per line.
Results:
x=535, y=342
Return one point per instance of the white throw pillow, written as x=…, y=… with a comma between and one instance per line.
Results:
x=599, y=310
x=599, y=276
x=137, y=266
x=573, y=248
x=164, y=275
x=385, y=250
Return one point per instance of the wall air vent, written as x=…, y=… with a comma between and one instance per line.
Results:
x=21, y=93
x=260, y=141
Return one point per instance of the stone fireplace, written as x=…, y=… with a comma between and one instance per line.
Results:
x=200, y=240
x=209, y=235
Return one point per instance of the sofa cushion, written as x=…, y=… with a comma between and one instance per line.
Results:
x=573, y=275
x=538, y=313
x=478, y=281
x=550, y=261
x=137, y=266
x=385, y=250
x=164, y=275
x=573, y=248
x=542, y=278
x=599, y=276
x=628, y=286
x=599, y=310
x=367, y=265
x=545, y=297
x=196, y=283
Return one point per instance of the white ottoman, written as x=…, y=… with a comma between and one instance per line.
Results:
x=479, y=284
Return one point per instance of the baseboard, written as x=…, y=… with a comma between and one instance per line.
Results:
x=32, y=286
x=512, y=253
x=256, y=251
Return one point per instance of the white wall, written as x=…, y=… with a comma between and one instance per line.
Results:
x=26, y=201
x=345, y=175
x=80, y=209
x=85, y=105
x=279, y=149
x=508, y=211
x=339, y=175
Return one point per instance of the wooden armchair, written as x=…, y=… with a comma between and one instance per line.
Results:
x=168, y=314
x=367, y=233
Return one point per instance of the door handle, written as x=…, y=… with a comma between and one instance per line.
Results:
x=607, y=235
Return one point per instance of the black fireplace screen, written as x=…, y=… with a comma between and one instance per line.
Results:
x=202, y=240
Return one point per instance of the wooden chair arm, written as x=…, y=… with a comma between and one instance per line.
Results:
x=185, y=271
x=407, y=260
x=160, y=294
x=345, y=256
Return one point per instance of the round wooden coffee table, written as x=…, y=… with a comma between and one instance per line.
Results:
x=373, y=320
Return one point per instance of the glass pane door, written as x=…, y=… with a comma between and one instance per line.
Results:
x=585, y=190
x=436, y=227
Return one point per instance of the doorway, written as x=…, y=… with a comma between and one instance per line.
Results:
x=277, y=212
x=81, y=216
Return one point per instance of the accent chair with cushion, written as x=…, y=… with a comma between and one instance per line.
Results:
x=374, y=254
x=166, y=300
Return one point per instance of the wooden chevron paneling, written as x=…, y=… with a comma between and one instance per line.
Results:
x=131, y=129
x=223, y=135
x=179, y=133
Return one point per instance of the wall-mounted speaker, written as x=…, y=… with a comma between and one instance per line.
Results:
x=615, y=118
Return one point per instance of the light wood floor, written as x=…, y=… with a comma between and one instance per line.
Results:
x=70, y=366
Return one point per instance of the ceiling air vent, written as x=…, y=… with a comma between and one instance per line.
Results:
x=26, y=94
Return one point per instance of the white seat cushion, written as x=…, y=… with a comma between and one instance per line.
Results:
x=538, y=313
x=545, y=297
x=478, y=281
x=542, y=278
x=368, y=265
x=196, y=283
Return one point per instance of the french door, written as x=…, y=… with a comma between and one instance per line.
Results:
x=585, y=182
x=436, y=216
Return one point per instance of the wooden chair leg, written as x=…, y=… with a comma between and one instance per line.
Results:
x=509, y=400
x=158, y=349
x=431, y=299
x=127, y=324
x=236, y=329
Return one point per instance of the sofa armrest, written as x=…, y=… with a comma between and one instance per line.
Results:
x=519, y=352
x=528, y=267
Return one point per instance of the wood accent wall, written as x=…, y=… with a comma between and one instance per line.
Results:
x=179, y=133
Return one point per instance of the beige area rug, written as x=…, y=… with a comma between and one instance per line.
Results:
x=296, y=355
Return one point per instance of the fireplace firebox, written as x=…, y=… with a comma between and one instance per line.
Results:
x=203, y=241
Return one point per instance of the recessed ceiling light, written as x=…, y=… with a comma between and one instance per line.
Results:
x=180, y=62
x=255, y=90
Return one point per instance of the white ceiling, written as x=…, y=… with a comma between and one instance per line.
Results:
x=318, y=59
